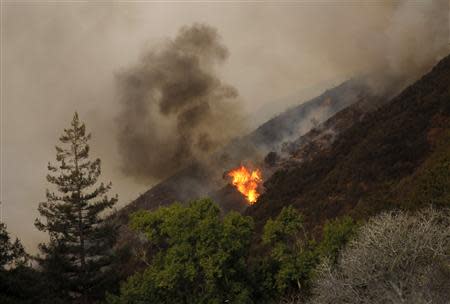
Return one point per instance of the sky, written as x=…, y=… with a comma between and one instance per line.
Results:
x=57, y=58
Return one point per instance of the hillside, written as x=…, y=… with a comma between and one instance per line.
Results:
x=378, y=163
x=198, y=180
x=371, y=155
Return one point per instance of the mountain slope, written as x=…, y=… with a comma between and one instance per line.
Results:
x=366, y=166
x=199, y=180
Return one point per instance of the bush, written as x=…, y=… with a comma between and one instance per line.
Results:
x=336, y=234
x=292, y=255
x=395, y=258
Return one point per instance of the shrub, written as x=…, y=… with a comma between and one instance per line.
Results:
x=396, y=258
x=336, y=234
x=292, y=255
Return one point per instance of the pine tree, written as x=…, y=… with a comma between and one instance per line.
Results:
x=80, y=247
x=11, y=253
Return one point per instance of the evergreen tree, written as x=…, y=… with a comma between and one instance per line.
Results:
x=80, y=247
x=11, y=253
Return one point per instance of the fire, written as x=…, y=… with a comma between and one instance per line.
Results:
x=247, y=182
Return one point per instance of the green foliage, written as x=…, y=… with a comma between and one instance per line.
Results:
x=336, y=234
x=290, y=267
x=292, y=258
x=79, y=252
x=196, y=257
x=285, y=227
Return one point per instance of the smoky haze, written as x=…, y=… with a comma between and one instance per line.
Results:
x=416, y=37
x=174, y=109
x=63, y=57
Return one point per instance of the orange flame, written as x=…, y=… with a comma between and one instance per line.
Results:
x=247, y=182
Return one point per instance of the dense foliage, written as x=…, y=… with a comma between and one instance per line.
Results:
x=292, y=254
x=336, y=234
x=194, y=256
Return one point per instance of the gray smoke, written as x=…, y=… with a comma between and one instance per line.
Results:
x=395, y=45
x=174, y=108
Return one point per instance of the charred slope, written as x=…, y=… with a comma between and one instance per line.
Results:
x=296, y=121
x=300, y=119
x=371, y=165
x=320, y=138
x=197, y=181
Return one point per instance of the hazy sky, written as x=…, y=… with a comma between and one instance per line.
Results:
x=62, y=57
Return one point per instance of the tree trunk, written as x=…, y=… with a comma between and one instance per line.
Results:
x=80, y=232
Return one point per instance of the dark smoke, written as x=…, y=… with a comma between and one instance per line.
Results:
x=174, y=108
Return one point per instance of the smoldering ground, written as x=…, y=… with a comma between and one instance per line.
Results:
x=174, y=108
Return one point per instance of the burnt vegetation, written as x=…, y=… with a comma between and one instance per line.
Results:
x=369, y=165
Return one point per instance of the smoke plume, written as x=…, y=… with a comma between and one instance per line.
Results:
x=175, y=109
